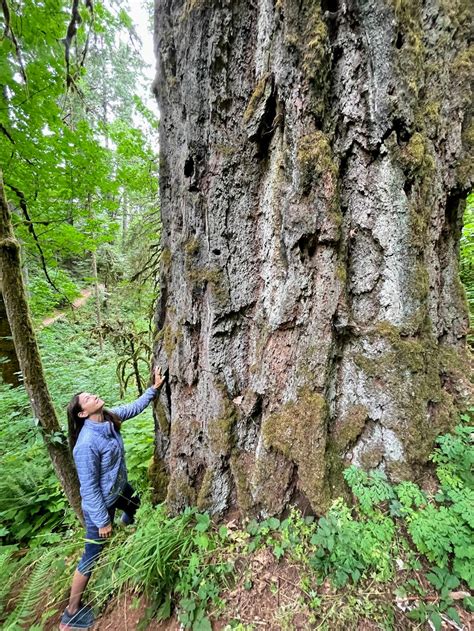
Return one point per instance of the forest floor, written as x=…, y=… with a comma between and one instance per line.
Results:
x=266, y=594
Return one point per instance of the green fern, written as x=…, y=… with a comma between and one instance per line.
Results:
x=32, y=593
x=7, y=574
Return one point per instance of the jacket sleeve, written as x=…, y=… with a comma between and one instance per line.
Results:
x=88, y=469
x=129, y=410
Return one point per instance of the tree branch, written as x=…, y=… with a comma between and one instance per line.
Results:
x=11, y=36
x=70, y=35
x=31, y=230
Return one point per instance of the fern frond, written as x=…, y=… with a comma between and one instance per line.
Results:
x=32, y=593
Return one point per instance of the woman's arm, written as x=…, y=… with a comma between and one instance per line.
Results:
x=88, y=469
x=129, y=410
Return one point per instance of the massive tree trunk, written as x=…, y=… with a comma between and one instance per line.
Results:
x=29, y=359
x=313, y=169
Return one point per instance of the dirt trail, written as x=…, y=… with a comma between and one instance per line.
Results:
x=76, y=304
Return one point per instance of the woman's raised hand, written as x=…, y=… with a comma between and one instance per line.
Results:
x=159, y=379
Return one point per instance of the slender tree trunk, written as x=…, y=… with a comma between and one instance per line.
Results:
x=97, y=299
x=314, y=163
x=136, y=369
x=10, y=368
x=124, y=218
x=29, y=358
x=95, y=275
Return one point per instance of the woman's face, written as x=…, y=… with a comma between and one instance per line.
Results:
x=90, y=404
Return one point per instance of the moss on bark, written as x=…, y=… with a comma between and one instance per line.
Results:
x=159, y=480
x=241, y=465
x=410, y=370
x=298, y=431
x=220, y=430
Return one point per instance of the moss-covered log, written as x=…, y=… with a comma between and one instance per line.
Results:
x=314, y=166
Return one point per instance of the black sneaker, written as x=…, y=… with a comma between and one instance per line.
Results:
x=82, y=619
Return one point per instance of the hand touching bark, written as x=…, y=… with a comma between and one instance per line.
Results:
x=159, y=379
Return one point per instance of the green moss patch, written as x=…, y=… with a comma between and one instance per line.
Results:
x=298, y=431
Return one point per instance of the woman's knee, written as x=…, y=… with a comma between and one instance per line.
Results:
x=90, y=556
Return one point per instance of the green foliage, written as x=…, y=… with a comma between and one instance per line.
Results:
x=167, y=557
x=467, y=254
x=370, y=489
x=31, y=593
x=441, y=527
x=289, y=536
x=346, y=548
x=455, y=458
x=444, y=583
x=38, y=576
x=76, y=158
x=32, y=506
x=7, y=566
x=443, y=530
x=138, y=438
x=44, y=299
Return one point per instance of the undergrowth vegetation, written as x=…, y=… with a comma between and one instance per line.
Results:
x=398, y=539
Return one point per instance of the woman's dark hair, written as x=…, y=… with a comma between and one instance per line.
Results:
x=76, y=422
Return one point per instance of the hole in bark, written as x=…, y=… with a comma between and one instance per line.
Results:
x=168, y=391
x=307, y=245
x=330, y=5
x=216, y=251
x=189, y=167
x=452, y=207
x=399, y=126
x=407, y=186
x=337, y=53
x=400, y=41
x=267, y=126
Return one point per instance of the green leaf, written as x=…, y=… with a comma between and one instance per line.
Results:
x=453, y=614
x=203, y=522
x=435, y=618
x=203, y=624
x=223, y=532
x=273, y=523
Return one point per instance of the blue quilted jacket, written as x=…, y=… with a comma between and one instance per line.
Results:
x=100, y=460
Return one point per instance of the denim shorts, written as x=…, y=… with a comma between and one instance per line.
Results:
x=128, y=501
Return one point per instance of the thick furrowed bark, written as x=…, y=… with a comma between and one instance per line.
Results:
x=313, y=169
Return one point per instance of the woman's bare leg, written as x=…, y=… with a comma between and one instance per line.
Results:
x=79, y=583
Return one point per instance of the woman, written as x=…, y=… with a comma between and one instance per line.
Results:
x=97, y=446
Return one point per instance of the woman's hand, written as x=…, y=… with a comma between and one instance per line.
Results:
x=106, y=531
x=159, y=379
